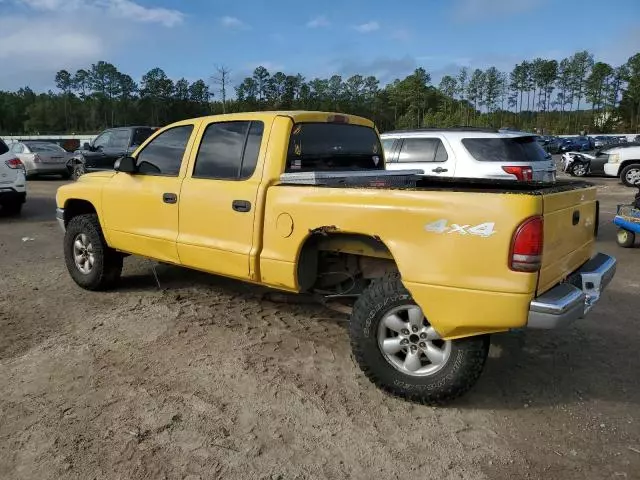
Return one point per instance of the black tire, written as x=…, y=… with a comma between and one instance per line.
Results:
x=626, y=170
x=625, y=238
x=456, y=377
x=107, y=266
x=66, y=176
x=579, y=169
x=10, y=209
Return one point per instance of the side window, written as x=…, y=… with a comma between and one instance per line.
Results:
x=163, y=155
x=17, y=148
x=416, y=150
x=119, y=140
x=441, y=152
x=102, y=140
x=387, y=146
x=140, y=135
x=229, y=150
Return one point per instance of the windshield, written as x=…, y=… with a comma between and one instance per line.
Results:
x=45, y=147
x=516, y=149
x=333, y=146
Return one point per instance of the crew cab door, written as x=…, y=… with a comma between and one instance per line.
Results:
x=140, y=210
x=220, y=198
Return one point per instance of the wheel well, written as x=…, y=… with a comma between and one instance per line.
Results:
x=73, y=208
x=342, y=263
x=626, y=163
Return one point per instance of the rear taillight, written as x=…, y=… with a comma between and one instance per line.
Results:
x=523, y=174
x=14, y=163
x=526, y=246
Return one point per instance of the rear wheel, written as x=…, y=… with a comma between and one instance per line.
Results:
x=92, y=264
x=625, y=238
x=630, y=175
x=400, y=352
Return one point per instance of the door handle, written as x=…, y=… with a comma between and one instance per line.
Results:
x=169, y=198
x=575, y=219
x=439, y=170
x=241, y=206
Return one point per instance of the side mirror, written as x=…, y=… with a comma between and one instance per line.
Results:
x=86, y=146
x=125, y=165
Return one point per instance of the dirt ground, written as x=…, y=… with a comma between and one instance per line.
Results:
x=206, y=378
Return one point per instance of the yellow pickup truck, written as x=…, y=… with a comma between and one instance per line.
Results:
x=301, y=202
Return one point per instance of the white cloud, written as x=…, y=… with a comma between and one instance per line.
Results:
x=233, y=22
x=318, y=22
x=133, y=11
x=469, y=10
x=127, y=9
x=367, y=27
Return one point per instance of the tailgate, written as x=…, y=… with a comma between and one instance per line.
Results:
x=570, y=220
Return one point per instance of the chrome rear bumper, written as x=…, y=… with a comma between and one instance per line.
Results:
x=60, y=217
x=573, y=299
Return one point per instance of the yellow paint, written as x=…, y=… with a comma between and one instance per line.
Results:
x=462, y=282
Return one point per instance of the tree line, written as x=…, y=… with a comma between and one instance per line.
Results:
x=546, y=95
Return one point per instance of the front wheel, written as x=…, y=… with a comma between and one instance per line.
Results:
x=630, y=175
x=401, y=353
x=77, y=171
x=579, y=169
x=92, y=264
x=625, y=238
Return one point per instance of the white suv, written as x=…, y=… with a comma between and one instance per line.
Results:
x=624, y=162
x=469, y=153
x=13, y=184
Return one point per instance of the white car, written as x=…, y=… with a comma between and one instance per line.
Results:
x=624, y=162
x=13, y=183
x=469, y=153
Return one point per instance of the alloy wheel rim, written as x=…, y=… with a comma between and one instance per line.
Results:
x=410, y=344
x=83, y=254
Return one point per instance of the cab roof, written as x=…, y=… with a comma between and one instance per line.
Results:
x=298, y=116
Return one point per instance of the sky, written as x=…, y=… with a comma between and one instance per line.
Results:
x=189, y=38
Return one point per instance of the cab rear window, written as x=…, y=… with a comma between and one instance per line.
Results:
x=333, y=146
x=516, y=149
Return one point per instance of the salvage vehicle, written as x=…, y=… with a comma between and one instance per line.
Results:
x=301, y=202
x=13, y=182
x=106, y=148
x=469, y=152
x=42, y=158
x=581, y=164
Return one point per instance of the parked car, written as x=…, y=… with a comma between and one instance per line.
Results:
x=106, y=148
x=622, y=139
x=624, y=162
x=581, y=164
x=13, y=183
x=436, y=264
x=469, y=153
x=42, y=158
x=601, y=141
x=553, y=146
x=569, y=145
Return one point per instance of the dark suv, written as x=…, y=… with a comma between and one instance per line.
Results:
x=106, y=148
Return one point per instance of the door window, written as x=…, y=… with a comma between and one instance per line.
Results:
x=102, y=140
x=163, y=155
x=229, y=150
x=417, y=150
x=387, y=146
x=119, y=140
